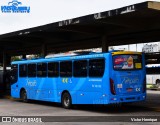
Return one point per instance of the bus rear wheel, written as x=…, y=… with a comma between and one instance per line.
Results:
x=66, y=100
x=24, y=96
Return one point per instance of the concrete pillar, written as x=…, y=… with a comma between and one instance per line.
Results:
x=8, y=60
x=104, y=44
x=4, y=60
x=44, y=50
x=24, y=56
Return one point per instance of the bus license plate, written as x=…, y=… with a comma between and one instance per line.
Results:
x=129, y=89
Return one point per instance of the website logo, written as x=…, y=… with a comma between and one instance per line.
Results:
x=15, y=7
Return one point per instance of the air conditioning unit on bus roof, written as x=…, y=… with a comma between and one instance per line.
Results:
x=70, y=54
x=60, y=55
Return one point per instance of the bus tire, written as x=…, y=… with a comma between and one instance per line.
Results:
x=66, y=100
x=158, y=83
x=24, y=96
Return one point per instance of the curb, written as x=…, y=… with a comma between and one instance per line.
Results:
x=156, y=89
x=9, y=97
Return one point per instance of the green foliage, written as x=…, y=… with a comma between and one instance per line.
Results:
x=15, y=58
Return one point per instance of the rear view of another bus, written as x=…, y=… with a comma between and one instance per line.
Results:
x=153, y=76
x=128, y=77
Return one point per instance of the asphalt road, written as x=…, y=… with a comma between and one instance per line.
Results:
x=86, y=114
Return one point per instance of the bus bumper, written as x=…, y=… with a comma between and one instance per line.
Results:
x=127, y=98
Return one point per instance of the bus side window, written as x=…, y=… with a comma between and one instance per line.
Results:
x=41, y=69
x=96, y=67
x=80, y=68
x=66, y=69
x=53, y=69
x=23, y=70
x=14, y=73
x=31, y=70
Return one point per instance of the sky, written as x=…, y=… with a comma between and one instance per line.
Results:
x=49, y=11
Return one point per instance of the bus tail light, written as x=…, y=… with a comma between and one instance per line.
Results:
x=144, y=85
x=112, y=87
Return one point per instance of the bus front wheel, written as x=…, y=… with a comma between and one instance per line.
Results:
x=66, y=100
x=24, y=96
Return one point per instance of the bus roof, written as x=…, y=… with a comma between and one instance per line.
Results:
x=61, y=58
x=126, y=52
x=69, y=57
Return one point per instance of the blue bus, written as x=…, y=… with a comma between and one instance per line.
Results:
x=96, y=78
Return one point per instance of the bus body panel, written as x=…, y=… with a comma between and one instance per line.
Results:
x=152, y=78
x=128, y=82
x=85, y=90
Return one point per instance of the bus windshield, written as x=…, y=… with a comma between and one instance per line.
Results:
x=127, y=62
